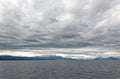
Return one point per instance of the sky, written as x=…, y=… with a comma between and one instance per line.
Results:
x=69, y=28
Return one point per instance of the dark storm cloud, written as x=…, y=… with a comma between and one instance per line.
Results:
x=59, y=24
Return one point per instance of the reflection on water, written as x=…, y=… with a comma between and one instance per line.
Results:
x=60, y=69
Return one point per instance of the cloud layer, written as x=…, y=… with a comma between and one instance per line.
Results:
x=30, y=24
x=65, y=53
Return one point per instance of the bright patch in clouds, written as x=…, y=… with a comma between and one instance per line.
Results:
x=67, y=18
x=69, y=4
x=66, y=53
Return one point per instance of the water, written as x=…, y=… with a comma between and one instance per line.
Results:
x=60, y=69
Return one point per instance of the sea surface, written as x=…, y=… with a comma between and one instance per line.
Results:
x=60, y=69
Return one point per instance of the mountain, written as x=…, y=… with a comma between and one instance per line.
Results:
x=7, y=57
x=107, y=58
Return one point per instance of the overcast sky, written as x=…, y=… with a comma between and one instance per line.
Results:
x=35, y=24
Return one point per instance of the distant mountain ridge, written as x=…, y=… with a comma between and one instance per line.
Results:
x=7, y=57
x=107, y=58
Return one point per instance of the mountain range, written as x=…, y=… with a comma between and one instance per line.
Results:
x=7, y=57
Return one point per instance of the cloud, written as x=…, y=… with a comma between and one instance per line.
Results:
x=65, y=53
x=31, y=24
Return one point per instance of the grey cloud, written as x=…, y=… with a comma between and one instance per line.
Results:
x=59, y=24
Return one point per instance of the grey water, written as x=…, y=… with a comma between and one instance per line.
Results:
x=60, y=69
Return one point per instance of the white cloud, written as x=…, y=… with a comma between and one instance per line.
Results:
x=67, y=53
